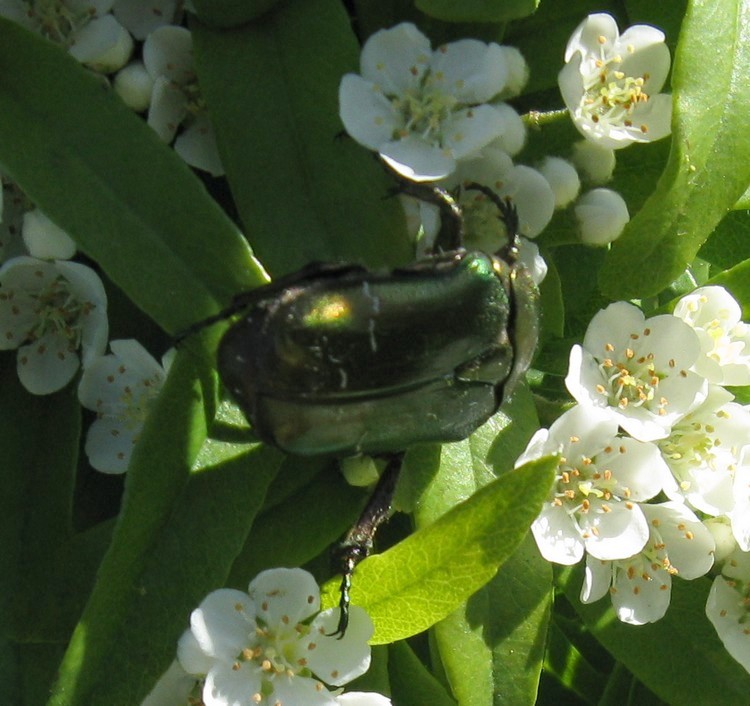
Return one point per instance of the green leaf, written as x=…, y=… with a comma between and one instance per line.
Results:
x=474, y=640
x=126, y=198
x=282, y=537
x=158, y=471
x=38, y=481
x=571, y=668
x=737, y=281
x=428, y=575
x=190, y=557
x=477, y=10
x=304, y=192
x=411, y=683
x=709, y=166
x=230, y=13
x=492, y=649
x=665, y=655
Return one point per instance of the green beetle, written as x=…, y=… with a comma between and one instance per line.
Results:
x=336, y=359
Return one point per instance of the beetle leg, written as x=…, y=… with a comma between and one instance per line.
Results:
x=451, y=235
x=508, y=213
x=358, y=541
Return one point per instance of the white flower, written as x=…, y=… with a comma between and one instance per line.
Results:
x=640, y=586
x=120, y=388
x=594, y=162
x=85, y=28
x=601, y=479
x=563, y=178
x=48, y=310
x=725, y=338
x=602, y=215
x=704, y=450
x=638, y=370
x=271, y=645
x=610, y=82
x=423, y=110
x=728, y=607
x=176, y=100
x=44, y=239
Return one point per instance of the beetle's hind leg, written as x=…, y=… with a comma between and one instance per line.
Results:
x=359, y=539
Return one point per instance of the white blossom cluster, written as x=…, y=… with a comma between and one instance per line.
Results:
x=441, y=116
x=104, y=34
x=655, y=460
x=271, y=645
x=53, y=312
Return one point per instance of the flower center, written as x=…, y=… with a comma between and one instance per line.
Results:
x=581, y=481
x=275, y=651
x=137, y=403
x=58, y=311
x=610, y=96
x=424, y=110
x=56, y=21
x=632, y=380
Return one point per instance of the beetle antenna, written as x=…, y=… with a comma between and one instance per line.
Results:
x=240, y=302
x=509, y=215
x=358, y=541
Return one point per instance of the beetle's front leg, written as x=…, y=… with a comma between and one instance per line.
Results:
x=358, y=541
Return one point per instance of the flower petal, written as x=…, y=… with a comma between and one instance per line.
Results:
x=47, y=364
x=613, y=530
x=639, y=599
x=339, y=661
x=470, y=70
x=197, y=146
x=109, y=445
x=232, y=684
x=395, y=59
x=224, y=623
x=557, y=536
x=284, y=596
x=596, y=580
x=417, y=159
x=727, y=611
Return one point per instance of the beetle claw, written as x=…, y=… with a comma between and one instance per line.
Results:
x=358, y=541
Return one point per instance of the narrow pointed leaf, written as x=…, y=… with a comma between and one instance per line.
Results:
x=303, y=191
x=709, y=166
x=423, y=578
x=126, y=198
x=157, y=474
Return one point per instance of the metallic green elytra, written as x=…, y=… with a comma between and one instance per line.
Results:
x=336, y=359
x=341, y=360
